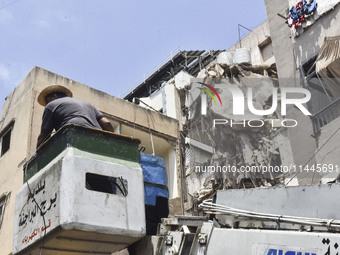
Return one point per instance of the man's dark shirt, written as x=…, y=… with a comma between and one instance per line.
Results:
x=68, y=110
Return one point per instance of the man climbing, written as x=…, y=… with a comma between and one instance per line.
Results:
x=62, y=109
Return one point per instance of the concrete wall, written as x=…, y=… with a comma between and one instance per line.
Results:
x=22, y=106
x=172, y=101
x=167, y=98
x=289, y=76
x=170, y=163
x=308, y=43
x=329, y=155
x=259, y=43
x=155, y=100
x=291, y=51
x=280, y=35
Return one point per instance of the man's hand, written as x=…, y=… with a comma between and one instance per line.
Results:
x=105, y=124
x=42, y=137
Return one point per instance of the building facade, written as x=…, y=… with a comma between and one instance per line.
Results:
x=291, y=56
x=298, y=53
x=158, y=111
x=20, y=126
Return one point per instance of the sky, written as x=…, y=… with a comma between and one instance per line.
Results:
x=111, y=45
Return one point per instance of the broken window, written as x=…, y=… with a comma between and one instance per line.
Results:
x=5, y=139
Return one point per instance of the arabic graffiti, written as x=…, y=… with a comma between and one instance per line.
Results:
x=32, y=212
x=328, y=242
x=35, y=232
x=40, y=187
x=38, y=205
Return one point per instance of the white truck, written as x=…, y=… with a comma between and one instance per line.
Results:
x=84, y=194
x=299, y=220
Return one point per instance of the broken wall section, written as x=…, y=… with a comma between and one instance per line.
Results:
x=228, y=151
x=204, y=147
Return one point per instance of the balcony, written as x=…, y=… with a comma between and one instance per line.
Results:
x=326, y=115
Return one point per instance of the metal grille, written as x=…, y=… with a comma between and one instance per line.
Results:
x=326, y=115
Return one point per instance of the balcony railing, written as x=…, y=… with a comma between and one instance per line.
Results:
x=326, y=115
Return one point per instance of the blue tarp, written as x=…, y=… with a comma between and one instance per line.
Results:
x=155, y=179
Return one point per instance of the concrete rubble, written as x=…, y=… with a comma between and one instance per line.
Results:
x=208, y=148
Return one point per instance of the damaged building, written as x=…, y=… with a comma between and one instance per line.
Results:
x=185, y=110
x=172, y=90
x=278, y=54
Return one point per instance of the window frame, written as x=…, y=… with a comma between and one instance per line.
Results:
x=263, y=47
x=326, y=114
x=308, y=71
x=3, y=202
x=3, y=133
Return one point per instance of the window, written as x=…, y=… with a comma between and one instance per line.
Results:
x=5, y=139
x=324, y=104
x=3, y=200
x=321, y=97
x=266, y=49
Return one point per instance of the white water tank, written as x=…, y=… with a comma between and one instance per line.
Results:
x=225, y=57
x=242, y=56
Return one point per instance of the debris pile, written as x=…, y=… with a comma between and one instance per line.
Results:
x=222, y=70
x=230, y=156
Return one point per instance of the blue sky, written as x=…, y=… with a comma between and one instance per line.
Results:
x=111, y=44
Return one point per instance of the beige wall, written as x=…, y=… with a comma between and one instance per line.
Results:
x=117, y=107
x=18, y=107
x=21, y=105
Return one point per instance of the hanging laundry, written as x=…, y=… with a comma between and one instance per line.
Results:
x=293, y=14
x=298, y=13
x=310, y=7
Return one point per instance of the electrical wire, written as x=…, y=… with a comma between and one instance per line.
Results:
x=3, y=7
x=324, y=88
x=214, y=208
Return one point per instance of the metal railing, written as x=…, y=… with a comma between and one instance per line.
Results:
x=326, y=115
x=160, y=64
